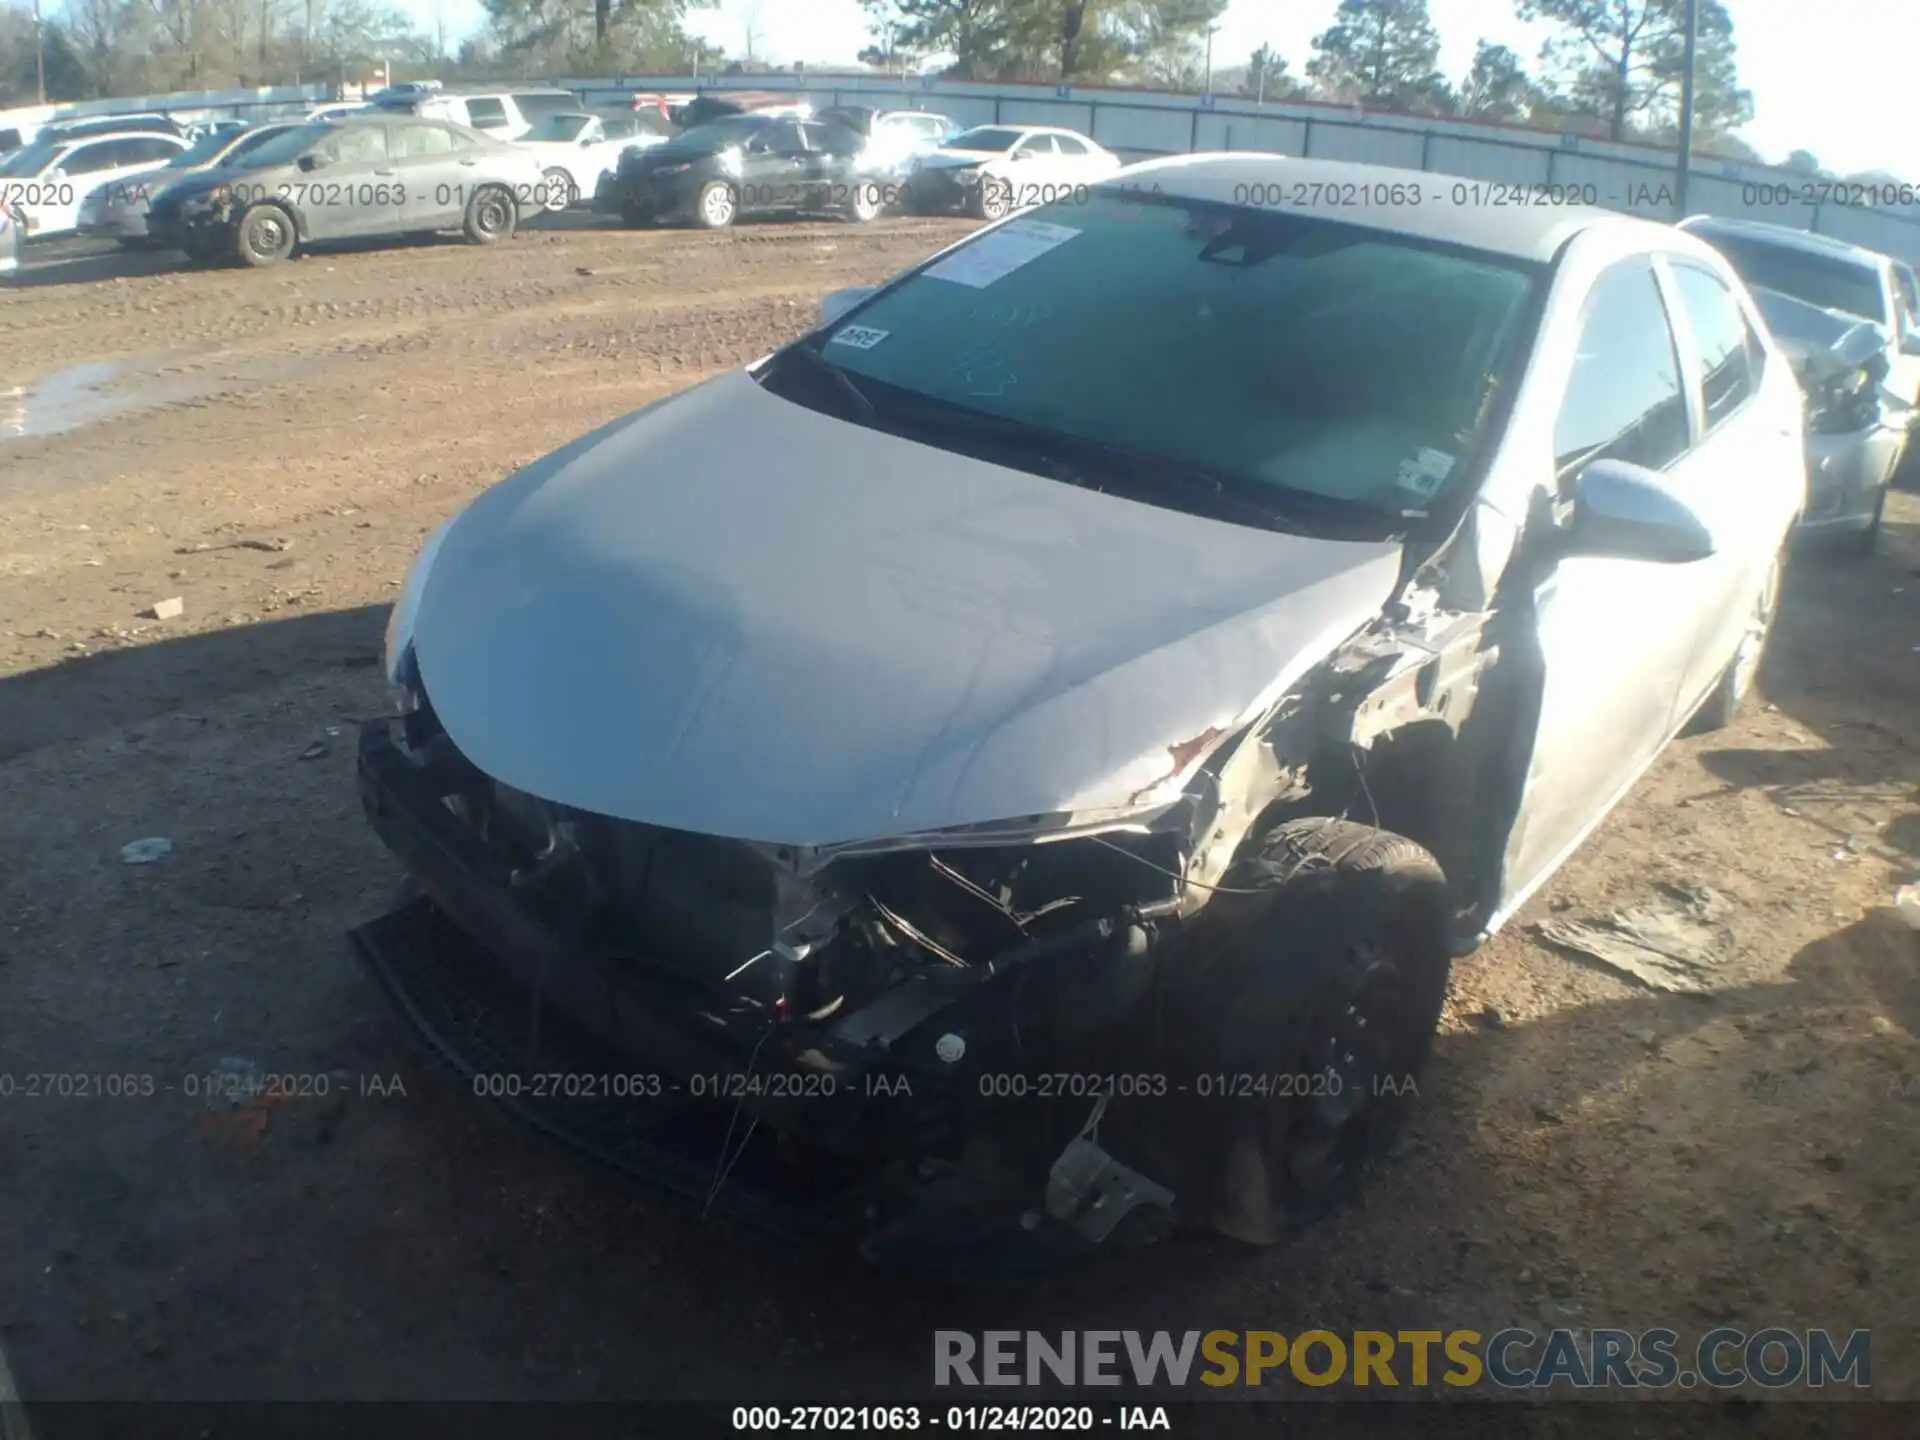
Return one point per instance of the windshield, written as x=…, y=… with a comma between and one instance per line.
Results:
x=250, y=142
x=987, y=137
x=289, y=145
x=202, y=150
x=1830, y=283
x=1280, y=353
x=563, y=128
x=32, y=160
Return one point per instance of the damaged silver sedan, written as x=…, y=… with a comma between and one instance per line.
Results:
x=1009, y=772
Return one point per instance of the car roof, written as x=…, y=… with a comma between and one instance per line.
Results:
x=1028, y=129
x=481, y=90
x=1535, y=233
x=1784, y=237
x=97, y=137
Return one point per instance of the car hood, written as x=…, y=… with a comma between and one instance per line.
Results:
x=198, y=182
x=944, y=159
x=729, y=614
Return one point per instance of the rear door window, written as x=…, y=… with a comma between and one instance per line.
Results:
x=357, y=145
x=94, y=158
x=484, y=112
x=1724, y=348
x=533, y=104
x=783, y=137
x=412, y=142
x=149, y=150
x=1624, y=400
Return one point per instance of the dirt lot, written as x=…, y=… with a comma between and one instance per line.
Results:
x=1591, y=1153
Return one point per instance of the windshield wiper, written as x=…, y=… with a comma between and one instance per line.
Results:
x=1108, y=469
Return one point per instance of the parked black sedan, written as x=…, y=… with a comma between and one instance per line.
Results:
x=748, y=165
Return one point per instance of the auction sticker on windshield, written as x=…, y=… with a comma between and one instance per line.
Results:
x=1426, y=472
x=861, y=337
x=1000, y=252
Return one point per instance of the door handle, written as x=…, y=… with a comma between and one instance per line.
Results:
x=469, y=163
x=385, y=172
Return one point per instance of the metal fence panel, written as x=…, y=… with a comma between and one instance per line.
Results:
x=1130, y=130
x=1875, y=229
x=1046, y=112
x=1247, y=132
x=1483, y=160
x=1365, y=145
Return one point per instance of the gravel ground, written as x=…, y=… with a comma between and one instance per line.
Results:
x=270, y=447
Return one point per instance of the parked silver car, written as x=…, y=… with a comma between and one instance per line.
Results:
x=1844, y=315
x=382, y=174
x=1142, y=643
x=1856, y=435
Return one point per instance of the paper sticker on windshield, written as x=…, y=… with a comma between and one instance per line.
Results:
x=1426, y=472
x=861, y=337
x=1000, y=252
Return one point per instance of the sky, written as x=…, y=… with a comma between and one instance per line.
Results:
x=1837, y=87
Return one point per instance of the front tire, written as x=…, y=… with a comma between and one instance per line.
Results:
x=491, y=216
x=1737, y=680
x=993, y=200
x=716, y=206
x=866, y=202
x=1315, y=991
x=264, y=236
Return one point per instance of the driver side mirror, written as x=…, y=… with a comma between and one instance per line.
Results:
x=1910, y=343
x=1623, y=511
x=313, y=161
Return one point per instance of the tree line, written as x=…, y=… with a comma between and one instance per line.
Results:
x=97, y=48
x=1609, y=68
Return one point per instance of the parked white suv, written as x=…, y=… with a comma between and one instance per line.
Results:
x=45, y=183
x=502, y=114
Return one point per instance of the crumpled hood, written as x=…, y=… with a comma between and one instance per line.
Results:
x=727, y=613
x=944, y=159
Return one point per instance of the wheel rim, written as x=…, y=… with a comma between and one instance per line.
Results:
x=866, y=203
x=717, y=205
x=560, y=191
x=1360, y=1061
x=266, y=235
x=492, y=215
x=993, y=201
x=1753, y=644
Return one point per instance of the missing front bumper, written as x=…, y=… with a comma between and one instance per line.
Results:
x=836, y=1131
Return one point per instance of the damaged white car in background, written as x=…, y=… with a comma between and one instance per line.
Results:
x=1026, y=788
